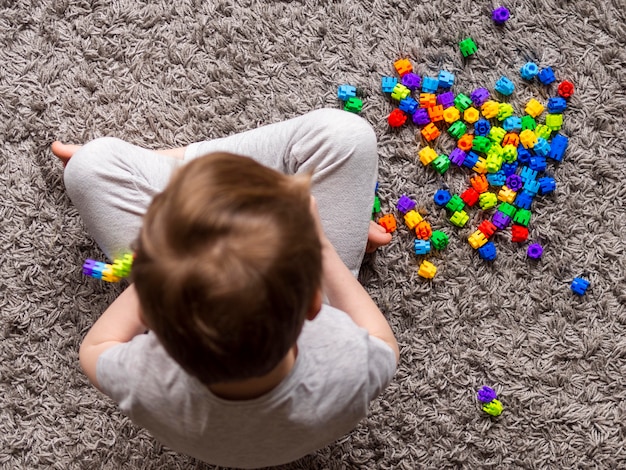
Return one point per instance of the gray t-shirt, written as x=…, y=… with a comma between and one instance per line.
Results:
x=339, y=369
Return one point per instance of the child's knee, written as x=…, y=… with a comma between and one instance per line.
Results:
x=347, y=131
x=85, y=170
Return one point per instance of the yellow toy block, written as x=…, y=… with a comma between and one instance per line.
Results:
x=534, y=108
x=451, y=114
x=412, y=218
x=427, y=155
x=507, y=195
x=427, y=270
x=528, y=138
x=471, y=115
x=477, y=239
x=490, y=109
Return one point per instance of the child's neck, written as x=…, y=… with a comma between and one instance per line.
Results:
x=255, y=387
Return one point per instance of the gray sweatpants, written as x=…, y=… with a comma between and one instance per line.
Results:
x=112, y=182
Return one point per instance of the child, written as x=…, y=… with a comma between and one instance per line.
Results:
x=261, y=345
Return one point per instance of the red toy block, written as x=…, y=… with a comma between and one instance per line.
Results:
x=519, y=233
x=565, y=89
x=487, y=227
x=397, y=118
x=388, y=222
x=470, y=196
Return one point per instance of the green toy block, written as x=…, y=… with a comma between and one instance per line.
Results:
x=441, y=164
x=455, y=203
x=459, y=218
x=522, y=217
x=468, y=47
x=457, y=129
x=507, y=209
x=353, y=105
x=528, y=122
x=439, y=240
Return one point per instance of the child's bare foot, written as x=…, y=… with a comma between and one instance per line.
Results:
x=376, y=236
x=63, y=151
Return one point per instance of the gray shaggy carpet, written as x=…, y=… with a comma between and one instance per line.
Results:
x=167, y=73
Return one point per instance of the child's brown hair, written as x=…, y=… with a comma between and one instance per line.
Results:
x=227, y=266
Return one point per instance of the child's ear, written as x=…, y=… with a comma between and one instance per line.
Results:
x=316, y=305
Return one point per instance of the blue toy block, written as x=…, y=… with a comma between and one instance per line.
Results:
x=442, y=197
x=421, y=247
x=409, y=105
x=479, y=96
x=388, y=84
x=542, y=147
x=532, y=187
x=546, y=76
x=412, y=81
x=470, y=160
x=446, y=79
x=509, y=168
x=446, y=99
x=523, y=200
x=557, y=105
x=558, y=145
x=579, y=285
x=430, y=84
x=512, y=123
x=529, y=71
x=482, y=127
x=505, y=86
x=487, y=251
x=344, y=92
x=547, y=185
x=538, y=163
x=527, y=174
x=97, y=269
x=496, y=179
x=523, y=154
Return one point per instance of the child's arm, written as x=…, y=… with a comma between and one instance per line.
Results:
x=345, y=292
x=119, y=323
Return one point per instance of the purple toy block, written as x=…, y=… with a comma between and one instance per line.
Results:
x=514, y=182
x=500, y=15
x=446, y=99
x=486, y=394
x=405, y=204
x=479, y=96
x=500, y=220
x=412, y=81
x=535, y=251
x=421, y=117
x=457, y=156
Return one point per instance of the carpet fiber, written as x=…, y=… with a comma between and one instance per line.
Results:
x=167, y=73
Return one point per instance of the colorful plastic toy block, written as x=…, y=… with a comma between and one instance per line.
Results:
x=441, y=164
x=477, y=239
x=479, y=96
x=346, y=91
x=546, y=76
x=353, y=105
x=388, y=222
x=537, y=163
x=427, y=100
x=465, y=142
x=427, y=270
x=522, y=217
x=514, y=182
x=403, y=66
x=435, y=113
x=420, y=117
x=501, y=220
x=493, y=408
x=486, y=394
x=405, y=204
x=388, y=84
x=497, y=179
x=427, y=155
x=565, y=89
x=412, y=218
x=400, y=92
x=487, y=201
x=556, y=105
x=455, y=203
x=490, y=109
x=504, y=86
x=529, y=71
x=396, y=118
x=421, y=247
x=408, y=105
x=471, y=159
x=471, y=115
x=547, y=185
x=481, y=143
x=519, y=233
x=439, y=240
x=528, y=122
x=459, y=218
x=451, y=114
x=462, y=102
x=457, y=156
x=446, y=79
x=442, y=197
x=500, y=15
x=534, y=108
x=528, y=138
x=554, y=121
x=488, y=251
x=482, y=128
x=487, y=228
x=532, y=187
x=527, y=174
x=579, y=285
x=512, y=123
x=496, y=134
x=412, y=81
x=468, y=47
x=505, y=110
x=430, y=132
x=470, y=196
x=506, y=195
x=479, y=183
x=446, y=99
x=457, y=129
x=534, y=251
x=543, y=131
x=423, y=230
x=541, y=148
x=430, y=84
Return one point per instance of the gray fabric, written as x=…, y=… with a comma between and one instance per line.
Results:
x=338, y=371
x=167, y=73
